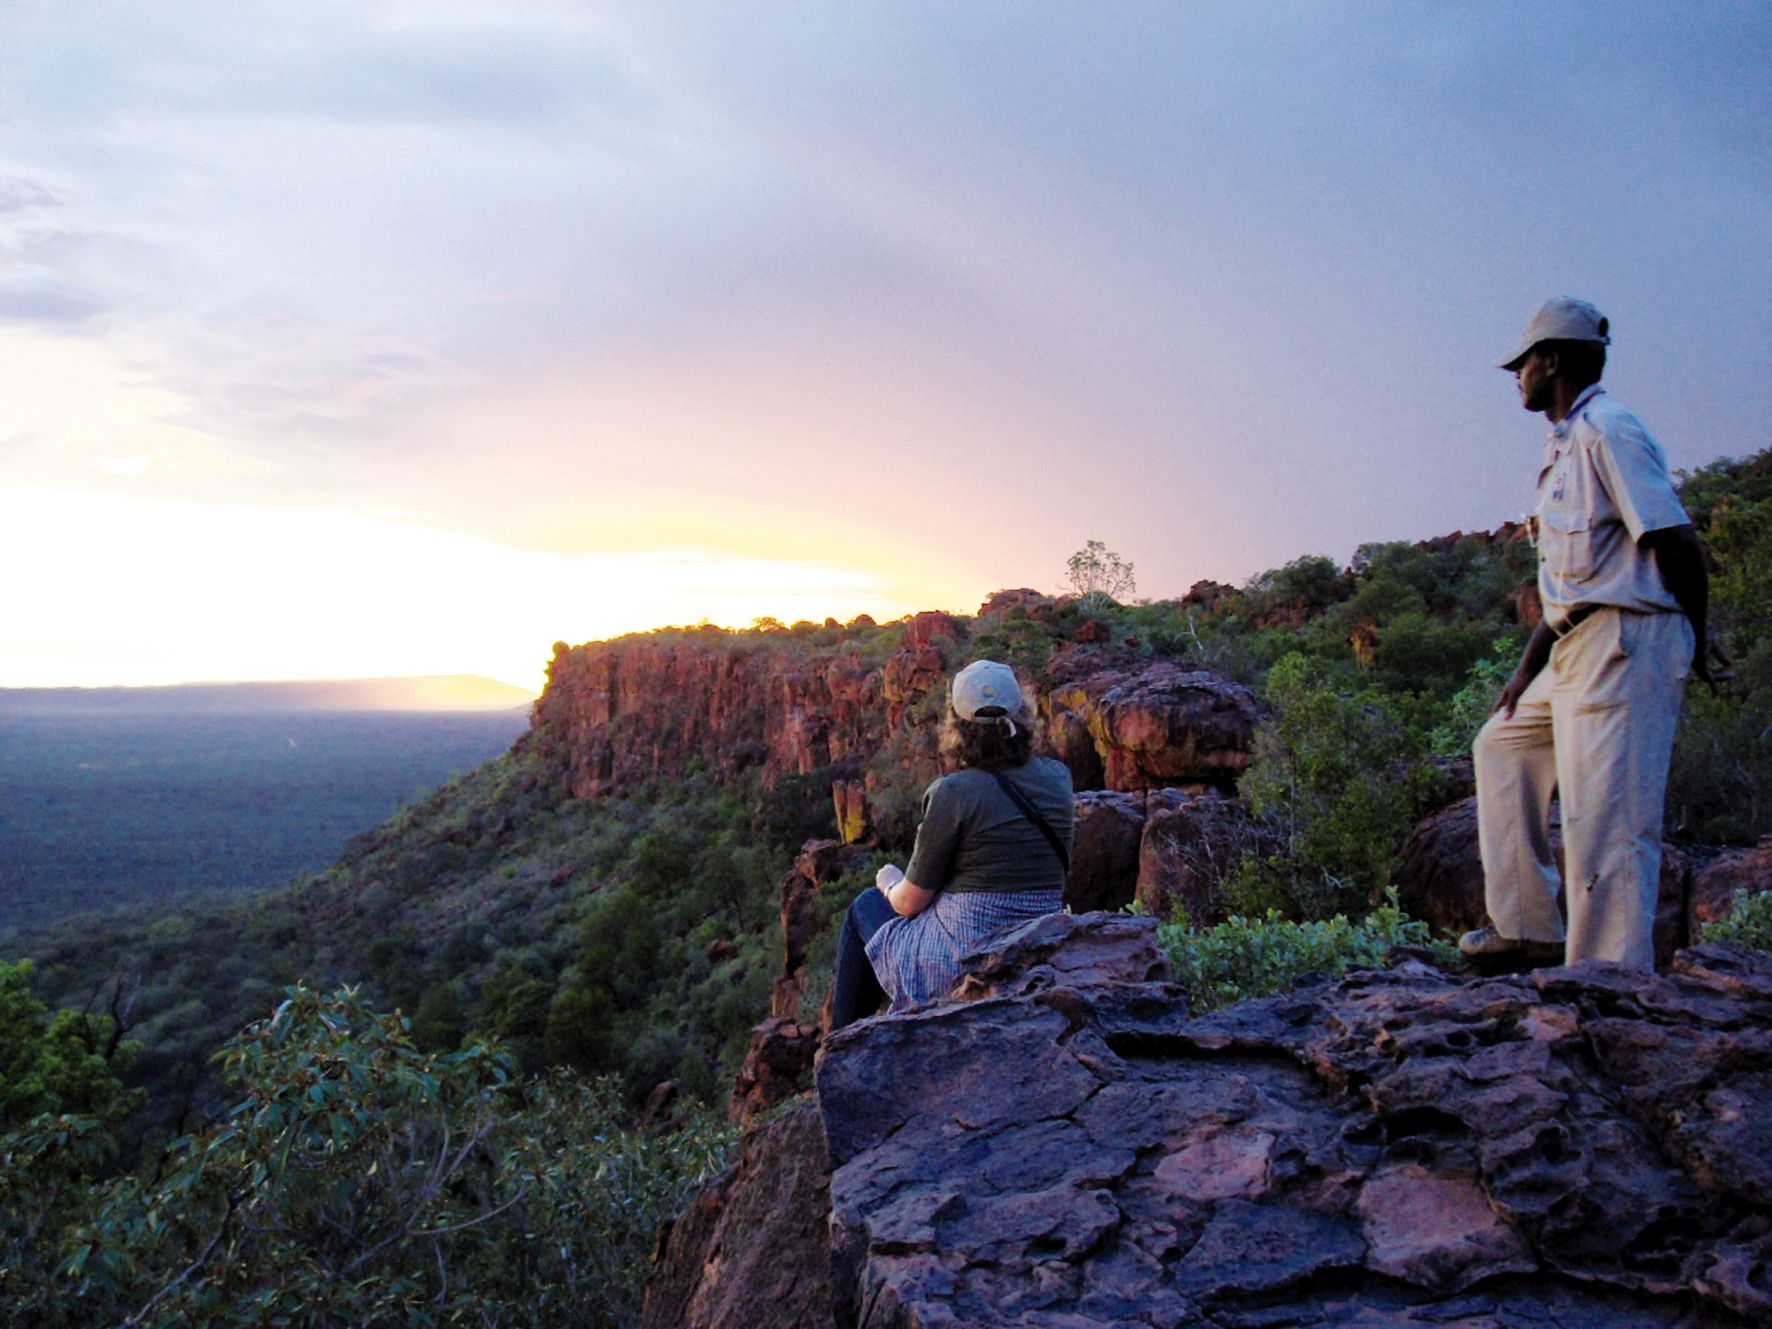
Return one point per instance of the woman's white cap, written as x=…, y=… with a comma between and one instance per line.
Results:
x=982, y=684
x=1561, y=318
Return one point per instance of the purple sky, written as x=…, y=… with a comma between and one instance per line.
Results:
x=455, y=329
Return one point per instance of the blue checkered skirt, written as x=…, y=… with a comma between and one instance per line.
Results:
x=918, y=959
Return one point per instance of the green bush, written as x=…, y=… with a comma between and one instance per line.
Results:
x=1309, y=583
x=1749, y=923
x=1341, y=778
x=1256, y=957
x=362, y=1181
x=1473, y=703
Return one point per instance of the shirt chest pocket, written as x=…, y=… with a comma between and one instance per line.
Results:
x=1566, y=542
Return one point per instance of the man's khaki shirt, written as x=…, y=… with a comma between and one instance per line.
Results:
x=1604, y=485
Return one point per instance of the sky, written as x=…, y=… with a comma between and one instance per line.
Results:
x=361, y=339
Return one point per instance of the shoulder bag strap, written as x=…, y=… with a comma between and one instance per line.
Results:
x=1032, y=814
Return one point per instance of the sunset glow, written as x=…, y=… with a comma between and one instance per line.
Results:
x=216, y=591
x=386, y=338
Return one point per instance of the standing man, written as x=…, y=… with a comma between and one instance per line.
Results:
x=1590, y=711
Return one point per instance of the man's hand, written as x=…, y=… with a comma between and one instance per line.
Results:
x=1512, y=691
x=886, y=878
x=1712, y=649
x=1532, y=659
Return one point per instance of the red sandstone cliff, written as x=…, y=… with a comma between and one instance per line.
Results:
x=861, y=702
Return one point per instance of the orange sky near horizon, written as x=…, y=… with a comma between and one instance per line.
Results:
x=178, y=592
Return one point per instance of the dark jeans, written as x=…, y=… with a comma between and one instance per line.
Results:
x=855, y=988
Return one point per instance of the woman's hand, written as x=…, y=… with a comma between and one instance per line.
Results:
x=905, y=896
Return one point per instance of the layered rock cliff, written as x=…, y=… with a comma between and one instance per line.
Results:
x=857, y=703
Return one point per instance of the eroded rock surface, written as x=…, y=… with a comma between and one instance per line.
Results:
x=1578, y=1147
x=1066, y=950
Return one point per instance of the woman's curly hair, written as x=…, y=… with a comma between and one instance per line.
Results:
x=988, y=742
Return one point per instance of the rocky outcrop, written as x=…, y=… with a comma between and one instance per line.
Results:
x=1440, y=879
x=1191, y=843
x=1733, y=872
x=751, y=1249
x=617, y=714
x=1579, y=1147
x=1155, y=725
x=804, y=915
x=777, y=1066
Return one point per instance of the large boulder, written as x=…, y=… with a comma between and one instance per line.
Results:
x=1583, y=1147
x=1162, y=847
x=1106, y=830
x=1440, y=878
x=1191, y=844
x=1153, y=724
x=1066, y=950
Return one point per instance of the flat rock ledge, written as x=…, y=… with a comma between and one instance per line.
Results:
x=1574, y=1147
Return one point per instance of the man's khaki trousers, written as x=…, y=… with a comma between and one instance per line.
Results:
x=1597, y=727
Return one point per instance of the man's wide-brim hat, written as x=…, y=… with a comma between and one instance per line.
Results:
x=1561, y=318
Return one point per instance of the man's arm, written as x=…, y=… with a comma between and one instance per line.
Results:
x=1532, y=659
x=1680, y=560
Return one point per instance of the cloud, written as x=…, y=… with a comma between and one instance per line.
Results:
x=18, y=194
x=47, y=297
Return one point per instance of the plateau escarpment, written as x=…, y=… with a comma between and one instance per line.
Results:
x=857, y=703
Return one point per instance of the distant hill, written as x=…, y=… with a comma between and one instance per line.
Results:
x=451, y=692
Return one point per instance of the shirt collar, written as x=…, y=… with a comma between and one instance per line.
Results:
x=1561, y=429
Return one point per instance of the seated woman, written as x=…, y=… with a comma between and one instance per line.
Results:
x=992, y=852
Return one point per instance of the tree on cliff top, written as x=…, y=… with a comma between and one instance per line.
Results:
x=1096, y=573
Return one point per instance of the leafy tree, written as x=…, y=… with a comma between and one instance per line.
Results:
x=60, y=1102
x=1097, y=574
x=1720, y=787
x=1310, y=583
x=54, y=1065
